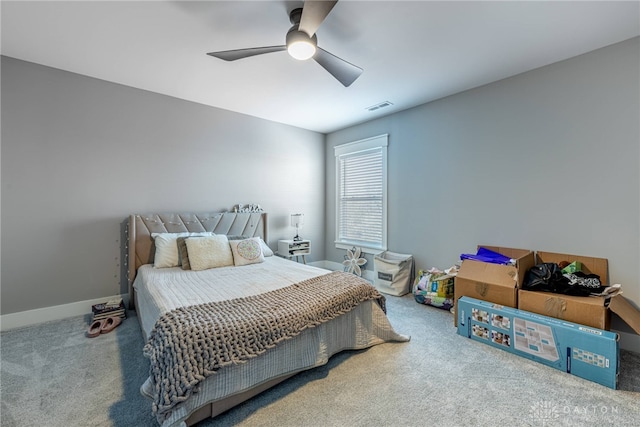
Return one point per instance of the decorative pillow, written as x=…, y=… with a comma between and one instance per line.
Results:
x=167, y=254
x=248, y=251
x=183, y=253
x=209, y=252
x=266, y=250
x=166, y=249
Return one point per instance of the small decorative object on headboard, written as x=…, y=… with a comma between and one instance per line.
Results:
x=251, y=208
x=352, y=261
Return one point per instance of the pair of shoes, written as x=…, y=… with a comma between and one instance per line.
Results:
x=103, y=326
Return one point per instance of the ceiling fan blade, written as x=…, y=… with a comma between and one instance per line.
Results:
x=344, y=71
x=313, y=14
x=232, y=55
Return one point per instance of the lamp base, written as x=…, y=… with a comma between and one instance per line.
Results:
x=297, y=238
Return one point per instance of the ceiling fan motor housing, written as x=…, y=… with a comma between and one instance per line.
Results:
x=295, y=15
x=294, y=35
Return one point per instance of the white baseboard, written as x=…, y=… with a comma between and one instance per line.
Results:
x=628, y=341
x=46, y=314
x=57, y=312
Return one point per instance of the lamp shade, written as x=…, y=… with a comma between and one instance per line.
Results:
x=297, y=220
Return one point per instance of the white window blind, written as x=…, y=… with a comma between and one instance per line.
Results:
x=361, y=169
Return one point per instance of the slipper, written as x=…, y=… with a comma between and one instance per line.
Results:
x=95, y=328
x=110, y=324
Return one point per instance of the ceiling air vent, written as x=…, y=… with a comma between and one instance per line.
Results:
x=379, y=106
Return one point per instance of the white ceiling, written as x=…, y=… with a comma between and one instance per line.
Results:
x=412, y=52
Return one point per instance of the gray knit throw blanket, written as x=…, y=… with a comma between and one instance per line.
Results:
x=189, y=344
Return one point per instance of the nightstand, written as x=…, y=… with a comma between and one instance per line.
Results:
x=294, y=248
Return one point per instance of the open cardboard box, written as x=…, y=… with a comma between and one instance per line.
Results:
x=589, y=311
x=493, y=282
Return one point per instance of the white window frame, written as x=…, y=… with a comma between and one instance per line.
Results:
x=381, y=143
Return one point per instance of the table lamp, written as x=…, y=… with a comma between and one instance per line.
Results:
x=297, y=220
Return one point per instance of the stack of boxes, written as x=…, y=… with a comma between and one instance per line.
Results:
x=500, y=286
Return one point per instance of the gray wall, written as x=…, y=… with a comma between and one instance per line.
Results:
x=547, y=160
x=79, y=155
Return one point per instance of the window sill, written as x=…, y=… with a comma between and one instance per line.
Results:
x=363, y=248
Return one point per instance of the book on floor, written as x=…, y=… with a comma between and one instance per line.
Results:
x=114, y=303
x=111, y=308
x=117, y=313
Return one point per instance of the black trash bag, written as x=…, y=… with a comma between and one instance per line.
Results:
x=548, y=277
x=544, y=277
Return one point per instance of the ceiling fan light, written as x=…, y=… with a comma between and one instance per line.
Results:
x=300, y=45
x=301, y=50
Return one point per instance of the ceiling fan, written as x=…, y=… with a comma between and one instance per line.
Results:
x=302, y=43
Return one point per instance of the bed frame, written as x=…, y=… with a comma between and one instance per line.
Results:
x=142, y=250
x=249, y=222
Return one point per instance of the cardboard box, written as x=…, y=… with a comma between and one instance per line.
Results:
x=589, y=311
x=627, y=312
x=589, y=353
x=493, y=282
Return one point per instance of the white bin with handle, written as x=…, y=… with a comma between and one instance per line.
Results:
x=393, y=273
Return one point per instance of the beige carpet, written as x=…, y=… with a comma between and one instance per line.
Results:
x=51, y=375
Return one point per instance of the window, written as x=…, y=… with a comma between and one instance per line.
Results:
x=361, y=194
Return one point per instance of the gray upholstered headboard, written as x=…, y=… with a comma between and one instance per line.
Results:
x=141, y=245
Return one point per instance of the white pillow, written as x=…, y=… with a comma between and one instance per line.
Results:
x=266, y=250
x=247, y=251
x=209, y=252
x=167, y=254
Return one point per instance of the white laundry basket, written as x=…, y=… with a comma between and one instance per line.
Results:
x=393, y=273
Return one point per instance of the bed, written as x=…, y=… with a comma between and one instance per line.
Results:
x=181, y=306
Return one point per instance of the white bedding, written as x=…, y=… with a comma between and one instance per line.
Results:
x=158, y=292
x=161, y=290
